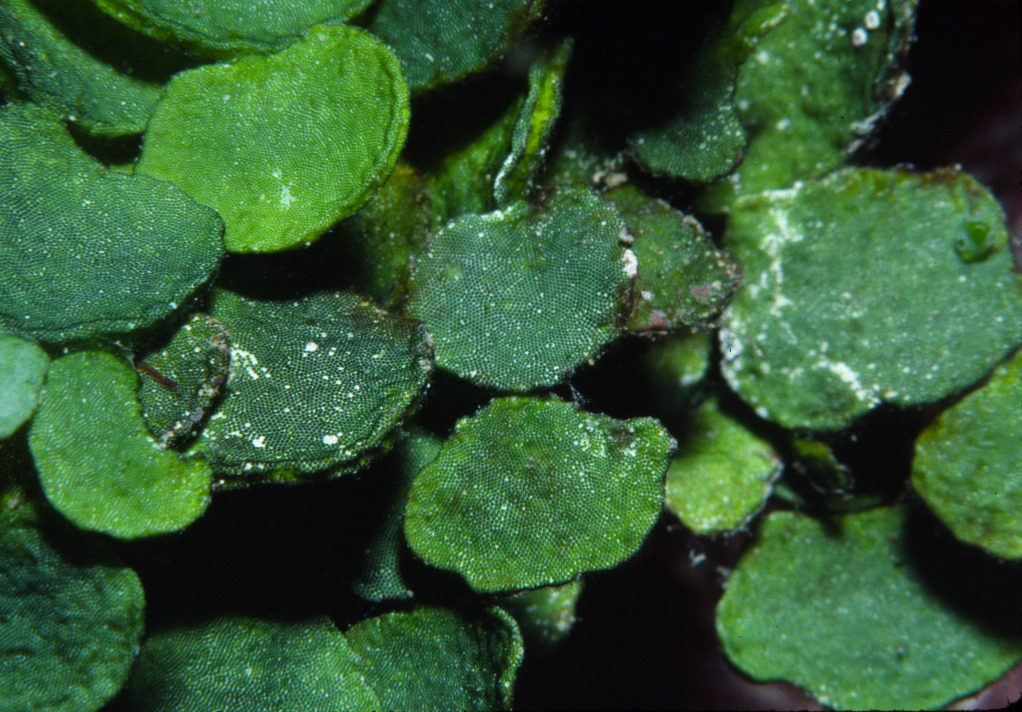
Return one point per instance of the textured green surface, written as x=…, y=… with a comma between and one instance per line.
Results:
x=839, y=611
x=302, y=138
x=22, y=369
x=315, y=384
x=97, y=463
x=440, y=41
x=70, y=618
x=84, y=251
x=683, y=278
x=439, y=659
x=181, y=382
x=519, y=297
x=222, y=28
x=968, y=464
x=811, y=343
x=704, y=138
x=248, y=664
x=531, y=492
x=545, y=615
x=380, y=577
x=106, y=80
x=810, y=92
x=722, y=474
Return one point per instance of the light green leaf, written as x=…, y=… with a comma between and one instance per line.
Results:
x=545, y=615
x=85, y=251
x=225, y=28
x=439, y=659
x=968, y=464
x=441, y=41
x=831, y=322
x=528, y=493
x=722, y=474
x=517, y=298
x=315, y=384
x=250, y=664
x=22, y=369
x=71, y=617
x=841, y=609
x=97, y=463
x=302, y=138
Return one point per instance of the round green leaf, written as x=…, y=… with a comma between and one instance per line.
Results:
x=517, y=298
x=97, y=463
x=250, y=664
x=531, y=492
x=968, y=464
x=85, y=251
x=813, y=343
x=440, y=41
x=301, y=138
x=838, y=609
x=71, y=618
x=22, y=369
x=315, y=384
x=223, y=28
x=439, y=659
x=722, y=474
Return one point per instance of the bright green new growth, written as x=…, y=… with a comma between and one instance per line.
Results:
x=97, y=463
x=71, y=617
x=683, y=279
x=816, y=84
x=299, y=139
x=841, y=611
x=441, y=41
x=83, y=78
x=22, y=369
x=545, y=615
x=517, y=298
x=812, y=344
x=705, y=140
x=224, y=28
x=440, y=659
x=234, y=663
x=722, y=474
x=181, y=382
x=531, y=492
x=87, y=252
x=968, y=464
x=315, y=384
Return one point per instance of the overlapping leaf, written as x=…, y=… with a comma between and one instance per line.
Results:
x=530, y=492
x=545, y=615
x=22, y=369
x=97, y=463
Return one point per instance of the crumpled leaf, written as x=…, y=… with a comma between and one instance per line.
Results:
x=531, y=492
x=811, y=346
x=234, y=663
x=968, y=464
x=71, y=617
x=722, y=474
x=704, y=139
x=181, y=382
x=441, y=41
x=517, y=298
x=226, y=28
x=72, y=60
x=22, y=369
x=842, y=609
x=683, y=279
x=816, y=85
x=302, y=138
x=97, y=463
x=85, y=251
x=432, y=658
x=315, y=384
x=545, y=615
